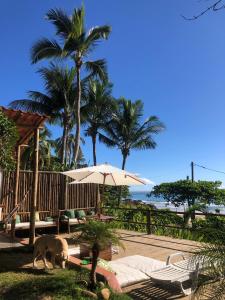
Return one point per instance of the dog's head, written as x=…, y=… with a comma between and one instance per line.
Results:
x=64, y=258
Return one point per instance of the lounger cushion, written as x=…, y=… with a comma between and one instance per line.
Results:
x=74, y=221
x=70, y=213
x=142, y=263
x=26, y=225
x=18, y=219
x=127, y=275
x=48, y=219
x=80, y=214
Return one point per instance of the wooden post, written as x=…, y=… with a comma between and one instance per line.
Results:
x=16, y=188
x=148, y=216
x=65, y=191
x=35, y=187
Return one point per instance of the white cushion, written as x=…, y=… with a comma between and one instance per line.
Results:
x=73, y=221
x=127, y=275
x=142, y=263
x=26, y=225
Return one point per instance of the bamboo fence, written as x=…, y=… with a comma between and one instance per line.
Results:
x=50, y=195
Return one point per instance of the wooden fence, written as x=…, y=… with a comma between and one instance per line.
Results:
x=50, y=195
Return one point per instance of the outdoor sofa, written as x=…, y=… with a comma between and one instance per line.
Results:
x=43, y=219
x=71, y=217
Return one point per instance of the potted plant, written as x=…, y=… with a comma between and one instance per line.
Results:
x=98, y=235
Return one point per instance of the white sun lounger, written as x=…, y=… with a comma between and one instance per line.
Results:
x=179, y=272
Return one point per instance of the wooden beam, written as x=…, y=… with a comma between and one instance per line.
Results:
x=35, y=187
x=16, y=188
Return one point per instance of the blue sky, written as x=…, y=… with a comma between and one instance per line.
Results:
x=176, y=67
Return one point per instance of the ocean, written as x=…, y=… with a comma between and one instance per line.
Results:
x=161, y=203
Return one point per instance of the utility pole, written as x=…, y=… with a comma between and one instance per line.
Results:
x=192, y=171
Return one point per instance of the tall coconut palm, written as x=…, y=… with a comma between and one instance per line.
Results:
x=97, y=110
x=57, y=102
x=77, y=43
x=126, y=131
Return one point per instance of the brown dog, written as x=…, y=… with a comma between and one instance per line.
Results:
x=53, y=244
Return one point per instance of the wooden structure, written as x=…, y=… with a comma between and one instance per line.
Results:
x=28, y=125
x=49, y=193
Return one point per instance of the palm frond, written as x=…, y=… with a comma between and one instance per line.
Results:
x=45, y=48
x=97, y=68
x=95, y=34
x=61, y=21
x=107, y=141
x=29, y=105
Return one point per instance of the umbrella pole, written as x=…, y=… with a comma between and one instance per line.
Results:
x=101, y=198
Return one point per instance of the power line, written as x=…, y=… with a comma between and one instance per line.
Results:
x=209, y=169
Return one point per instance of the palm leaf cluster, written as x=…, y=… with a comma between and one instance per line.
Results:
x=81, y=95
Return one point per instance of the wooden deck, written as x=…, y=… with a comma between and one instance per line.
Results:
x=158, y=247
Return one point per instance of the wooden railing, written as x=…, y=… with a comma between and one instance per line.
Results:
x=149, y=214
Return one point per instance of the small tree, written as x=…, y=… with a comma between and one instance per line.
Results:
x=8, y=138
x=98, y=235
x=196, y=194
x=186, y=191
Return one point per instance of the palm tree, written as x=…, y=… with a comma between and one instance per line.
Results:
x=57, y=102
x=57, y=145
x=126, y=131
x=99, y=236
x=97, y=110
x=76, y=43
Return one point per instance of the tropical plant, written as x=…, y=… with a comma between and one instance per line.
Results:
x=76, y=43
x=57, y=102
x=45, y=155
x=98, y=235
x=57, y=145
x=126, y=131
x=212, y=284
x=8, y=139
x=97, y=110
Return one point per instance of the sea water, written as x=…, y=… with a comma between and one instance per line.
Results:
x=160, y=203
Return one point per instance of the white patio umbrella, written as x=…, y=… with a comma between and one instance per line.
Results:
x=104, y=174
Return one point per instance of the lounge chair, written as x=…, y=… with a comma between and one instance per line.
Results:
x=180, y=272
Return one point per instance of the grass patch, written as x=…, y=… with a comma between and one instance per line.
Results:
x=19, y=281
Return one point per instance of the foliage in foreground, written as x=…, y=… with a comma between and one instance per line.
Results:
x=212, y=284
x=8, y=138
x=58, y=284
x=98, y=235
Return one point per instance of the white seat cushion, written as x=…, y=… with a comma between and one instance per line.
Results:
x=142, y=263
x=26, y=225
x=127, y=275
x=73, y=221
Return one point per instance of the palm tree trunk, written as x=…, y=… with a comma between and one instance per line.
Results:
x=77, y=113
x=94, y=149
x=124, y=161
x=95, y=255
x=120, y=190
x=64, y=143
